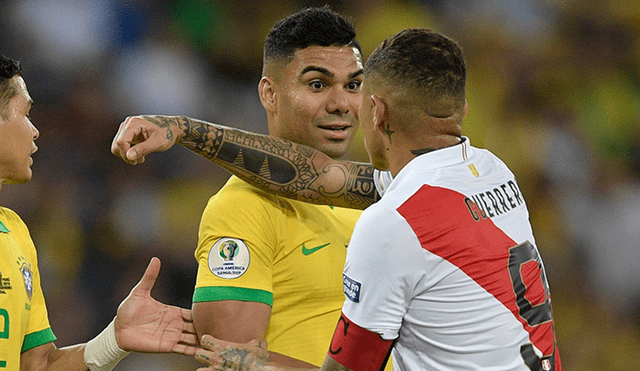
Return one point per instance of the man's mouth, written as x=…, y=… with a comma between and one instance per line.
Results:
x=335, y=127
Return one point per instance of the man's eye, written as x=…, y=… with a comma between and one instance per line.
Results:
x=354, y=85
x=316, y=85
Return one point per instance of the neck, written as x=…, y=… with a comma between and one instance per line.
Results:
x=402, y=153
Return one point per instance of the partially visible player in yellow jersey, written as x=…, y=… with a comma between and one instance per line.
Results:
x=26, y=339
x=23, y=314
x=270, y=266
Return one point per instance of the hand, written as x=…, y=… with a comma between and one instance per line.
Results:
x=139, y=136
x=145, y=325
x=222, y=355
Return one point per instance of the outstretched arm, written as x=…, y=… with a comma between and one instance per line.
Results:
x=272, y=164
x=142, y=324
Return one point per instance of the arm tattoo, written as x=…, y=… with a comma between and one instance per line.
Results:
x=163, y=122
x=280, y=166
x=240, y=359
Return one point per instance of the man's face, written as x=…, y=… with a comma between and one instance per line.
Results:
x=17, y=136
x=318, y=97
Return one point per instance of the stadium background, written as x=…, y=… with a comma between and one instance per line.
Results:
x=553, y=89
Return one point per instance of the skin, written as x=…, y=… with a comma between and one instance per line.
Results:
x=313, y=99
x=17, y=137
x=142, y=324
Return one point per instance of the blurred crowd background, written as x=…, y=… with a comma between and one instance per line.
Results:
x=553, y=89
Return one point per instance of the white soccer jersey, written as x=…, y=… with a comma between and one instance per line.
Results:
x=446, y=263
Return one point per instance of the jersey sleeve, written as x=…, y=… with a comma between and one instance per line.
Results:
x=38, y=331
x=235, y=248
x=379, y=278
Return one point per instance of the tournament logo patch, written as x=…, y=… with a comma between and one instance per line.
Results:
x=229, y=258
x=351, y=288
x=27, y=277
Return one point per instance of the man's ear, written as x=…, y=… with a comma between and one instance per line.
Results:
x=267, y=93
x=379, y=114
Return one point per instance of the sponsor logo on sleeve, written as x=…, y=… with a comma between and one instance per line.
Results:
x=351, y=288
x=229, y=258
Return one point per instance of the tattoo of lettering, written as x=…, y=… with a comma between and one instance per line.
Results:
x=361, y=190
x=388, y=131
x=273, y=164
x=163, y=122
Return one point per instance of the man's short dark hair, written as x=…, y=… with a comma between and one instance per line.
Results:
x=423, y=60
x=8, y=69
x=308, y=27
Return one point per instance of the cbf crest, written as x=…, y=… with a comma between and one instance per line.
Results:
x=229, y=258
x=27, y=278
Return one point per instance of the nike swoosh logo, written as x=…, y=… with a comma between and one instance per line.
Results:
x=306, y=251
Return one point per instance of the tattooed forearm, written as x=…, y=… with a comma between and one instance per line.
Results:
x=163, y=122
x=280, y=166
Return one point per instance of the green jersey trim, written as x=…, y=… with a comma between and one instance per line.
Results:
x=38, y=338
x=202, y=294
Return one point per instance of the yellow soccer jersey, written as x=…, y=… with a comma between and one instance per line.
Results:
x=24, y=323
x=255, y=246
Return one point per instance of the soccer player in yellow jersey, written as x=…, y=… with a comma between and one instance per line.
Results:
x=26, y=339
x=271, y=267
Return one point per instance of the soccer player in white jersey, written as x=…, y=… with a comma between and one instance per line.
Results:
x=444, y=269
x=26, y=339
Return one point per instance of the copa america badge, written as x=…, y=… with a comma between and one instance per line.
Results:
x=229, y=258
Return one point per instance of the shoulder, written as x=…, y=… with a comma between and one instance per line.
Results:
x=237, y=194
x=12, y=221
x=18, y=229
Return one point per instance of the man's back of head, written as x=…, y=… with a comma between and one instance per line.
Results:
x=423, y=65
